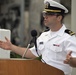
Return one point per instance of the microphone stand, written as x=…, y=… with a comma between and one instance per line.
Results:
x=33, y=40
x=25, y=51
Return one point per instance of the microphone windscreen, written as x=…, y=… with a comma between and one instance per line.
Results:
x=33, y=33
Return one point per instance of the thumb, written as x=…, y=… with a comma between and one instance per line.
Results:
x=70, y=53
x=7, y=39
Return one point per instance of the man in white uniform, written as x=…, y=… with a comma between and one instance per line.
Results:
x=54, y=44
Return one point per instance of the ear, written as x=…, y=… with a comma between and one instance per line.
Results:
x=59, y=18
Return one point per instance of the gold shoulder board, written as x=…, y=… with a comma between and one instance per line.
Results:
x=69, y=32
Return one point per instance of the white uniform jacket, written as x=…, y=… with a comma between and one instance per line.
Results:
x=54, y=48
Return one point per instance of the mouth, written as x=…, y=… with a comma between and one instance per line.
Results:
x=45, y=21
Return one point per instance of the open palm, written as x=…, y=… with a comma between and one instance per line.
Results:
x=5, y=44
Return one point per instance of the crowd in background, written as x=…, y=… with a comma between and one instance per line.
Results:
x=11, y=20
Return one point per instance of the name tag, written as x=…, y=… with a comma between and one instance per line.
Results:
x=41, y=43
x=56, y=45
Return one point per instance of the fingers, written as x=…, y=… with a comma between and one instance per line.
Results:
x=66, y=61
x=6, y=39
x=68, y=58
x=1, y=44
x=70, y=53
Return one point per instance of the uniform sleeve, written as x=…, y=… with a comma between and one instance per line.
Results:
x=70, y=45
x=33, y=51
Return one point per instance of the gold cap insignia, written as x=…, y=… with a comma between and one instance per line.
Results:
x=46, y=5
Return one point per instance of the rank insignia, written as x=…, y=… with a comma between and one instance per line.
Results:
x=69, y=32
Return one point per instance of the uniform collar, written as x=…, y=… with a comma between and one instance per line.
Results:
x=59, y=32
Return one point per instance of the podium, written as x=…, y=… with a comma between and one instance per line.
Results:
x=27, y=67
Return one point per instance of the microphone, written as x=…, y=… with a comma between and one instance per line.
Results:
x=33, y=34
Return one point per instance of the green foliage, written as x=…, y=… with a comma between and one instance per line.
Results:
x=39, y=58
x=14, y=55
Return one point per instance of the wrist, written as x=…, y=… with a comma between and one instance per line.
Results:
x=11, y=47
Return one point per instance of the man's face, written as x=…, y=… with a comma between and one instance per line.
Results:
x=50, y=20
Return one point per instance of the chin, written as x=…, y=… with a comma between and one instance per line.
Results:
x=46, y=25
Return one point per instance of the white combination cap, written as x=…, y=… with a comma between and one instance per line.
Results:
x=53, y=6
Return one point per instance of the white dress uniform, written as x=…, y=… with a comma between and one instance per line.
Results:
x=54, y=46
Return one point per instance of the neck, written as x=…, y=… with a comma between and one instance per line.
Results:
x=55, y=28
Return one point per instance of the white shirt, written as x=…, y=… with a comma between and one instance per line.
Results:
x=54, y=48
